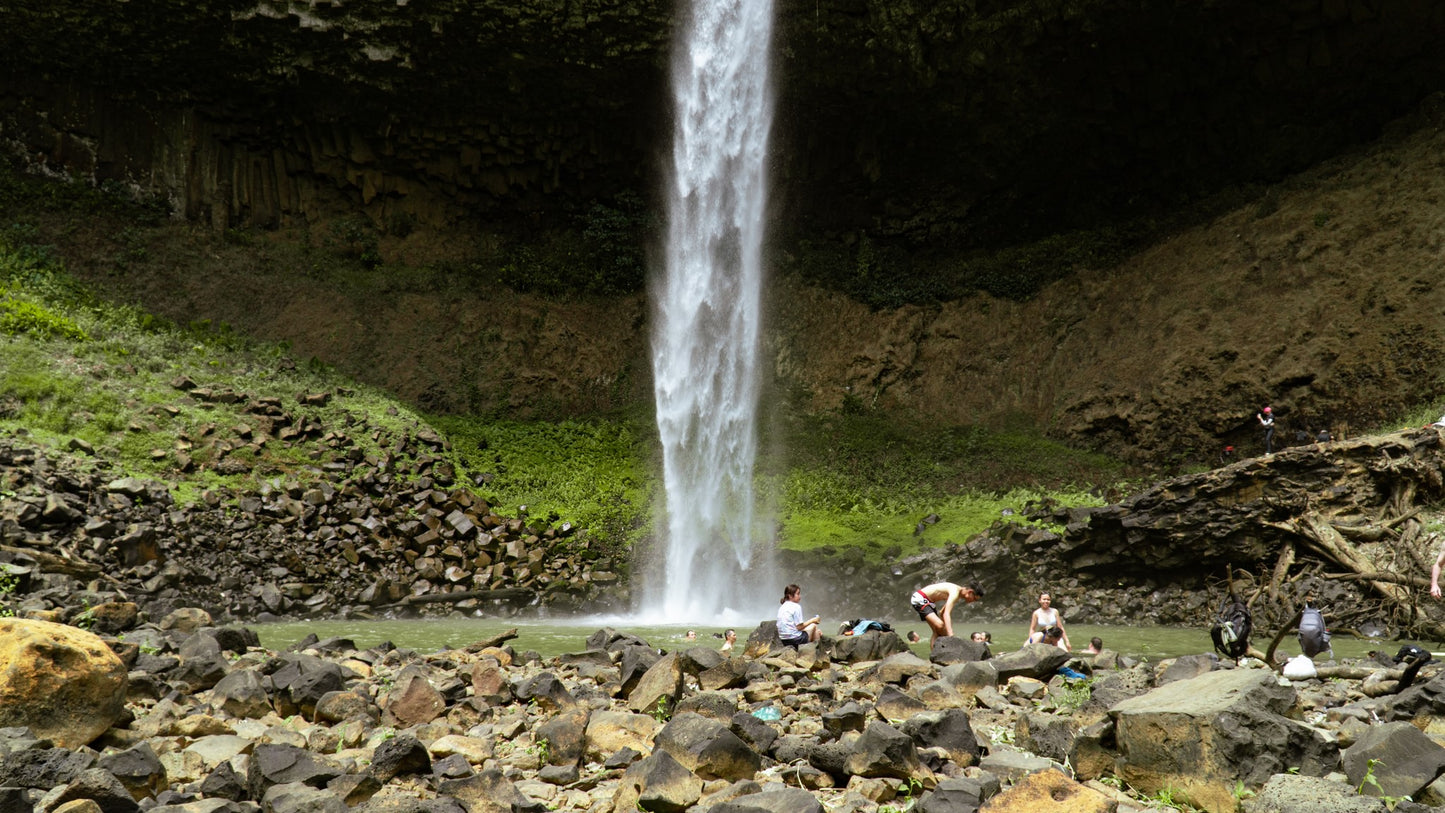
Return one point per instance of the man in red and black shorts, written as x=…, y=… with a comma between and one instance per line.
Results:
x=926, y=600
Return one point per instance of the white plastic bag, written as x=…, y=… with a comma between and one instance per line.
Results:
x=1299, y=668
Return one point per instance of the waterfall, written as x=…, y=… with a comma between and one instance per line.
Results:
x=705, y=341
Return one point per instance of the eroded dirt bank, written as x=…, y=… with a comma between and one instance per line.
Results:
x=1320, y=297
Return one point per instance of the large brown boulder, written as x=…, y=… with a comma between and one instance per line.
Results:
x=1205, y=735
x=62, y=682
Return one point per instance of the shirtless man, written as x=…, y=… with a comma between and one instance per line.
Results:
x=925, y=601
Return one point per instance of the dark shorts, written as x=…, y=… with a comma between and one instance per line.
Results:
x=922, y=605
x=796, y=641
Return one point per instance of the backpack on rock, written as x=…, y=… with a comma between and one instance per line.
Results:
x=1313, y=637
x=1232, y=628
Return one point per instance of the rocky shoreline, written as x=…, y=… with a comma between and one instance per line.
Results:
x=183, y=716
x=396, y=535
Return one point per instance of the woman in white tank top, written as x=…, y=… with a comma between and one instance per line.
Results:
x=1043, y=618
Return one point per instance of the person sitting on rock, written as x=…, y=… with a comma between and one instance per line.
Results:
x=793, y=631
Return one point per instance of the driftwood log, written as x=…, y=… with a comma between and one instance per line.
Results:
x=1346, y=511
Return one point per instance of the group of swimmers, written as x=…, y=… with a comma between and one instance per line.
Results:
x=934, y=604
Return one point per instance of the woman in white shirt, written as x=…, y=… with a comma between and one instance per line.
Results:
x=1043, y=618
x=792, y=629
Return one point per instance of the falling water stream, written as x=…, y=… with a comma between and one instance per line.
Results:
x=705, y=337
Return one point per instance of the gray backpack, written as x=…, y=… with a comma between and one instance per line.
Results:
x=1313, y=637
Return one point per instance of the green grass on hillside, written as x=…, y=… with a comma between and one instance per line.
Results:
x=860, y=480
x=75, y=368
x=593, y=474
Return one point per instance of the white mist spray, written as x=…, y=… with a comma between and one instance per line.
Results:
x=706, y=335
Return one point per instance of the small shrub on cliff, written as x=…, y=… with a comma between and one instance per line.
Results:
x=356, y=237
x=19, y=316
x=617, y=235
x=9, y=582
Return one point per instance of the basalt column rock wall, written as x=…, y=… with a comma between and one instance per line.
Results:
x=952, y=119
x=246, y=113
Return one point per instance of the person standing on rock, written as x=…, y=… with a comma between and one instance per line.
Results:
x=792, y=629
x=1266, y=420
x=925, y=601
x=1045, y=617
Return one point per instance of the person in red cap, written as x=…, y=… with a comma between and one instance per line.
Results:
x=1266, y=419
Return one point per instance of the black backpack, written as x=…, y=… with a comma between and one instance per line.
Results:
x=1313, y=637
x=1232, y=628
x=1413, y=652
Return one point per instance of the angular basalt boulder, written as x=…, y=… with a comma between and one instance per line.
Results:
x=708, y=748
x=659, y=687
x=873, y=645
x=658, y=782
x=1204, y=735
x=610, y=731
x=1400, y=757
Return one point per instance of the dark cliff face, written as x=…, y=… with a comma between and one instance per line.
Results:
x=959, y=121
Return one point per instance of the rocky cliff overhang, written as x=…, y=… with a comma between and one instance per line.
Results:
x=951, y=120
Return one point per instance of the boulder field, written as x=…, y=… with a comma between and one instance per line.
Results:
x=213, y=723
x=1341, y=525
